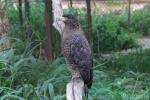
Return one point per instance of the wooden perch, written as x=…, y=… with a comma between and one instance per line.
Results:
x=75, y=87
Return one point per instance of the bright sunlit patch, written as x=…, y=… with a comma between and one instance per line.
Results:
x=15, y=6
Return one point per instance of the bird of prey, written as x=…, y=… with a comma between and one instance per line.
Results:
x=76, y=49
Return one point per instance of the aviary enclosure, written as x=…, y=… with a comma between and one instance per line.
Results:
x=32, y=66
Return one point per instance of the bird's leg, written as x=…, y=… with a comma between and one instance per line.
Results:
x=86, y=90
x=76, y=74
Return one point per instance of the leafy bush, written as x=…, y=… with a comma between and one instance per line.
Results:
x=107, y=28
x=138, y=62
x=140, y=21
x=37, y=23
x=22, y=76
x=108, y=31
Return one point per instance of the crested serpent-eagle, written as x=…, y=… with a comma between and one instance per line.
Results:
x=76, y=49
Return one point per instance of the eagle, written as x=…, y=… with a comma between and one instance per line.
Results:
x=76, y=49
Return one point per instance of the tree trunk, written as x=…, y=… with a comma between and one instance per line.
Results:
x=58, y=13
x=71, y=3
x=94, y=3
x=89, y=20
x=129, y=14
x=27, y=16
x=3, y=26
x=20, y=14
x=49, y=22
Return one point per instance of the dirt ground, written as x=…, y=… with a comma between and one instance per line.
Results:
x=106, y=6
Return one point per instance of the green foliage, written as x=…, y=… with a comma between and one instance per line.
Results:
x=24, y=77
x=138, y=61
x=109, y=33
x=110, y=30
x=140, y=20
x=37, y=23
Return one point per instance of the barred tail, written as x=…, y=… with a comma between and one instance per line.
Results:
x=87, y=76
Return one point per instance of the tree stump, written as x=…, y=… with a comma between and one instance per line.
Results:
x=74, y=89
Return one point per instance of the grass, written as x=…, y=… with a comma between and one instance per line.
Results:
x=137, y=61
x=24, y=77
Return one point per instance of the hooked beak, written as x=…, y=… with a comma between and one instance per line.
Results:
x=64, y=19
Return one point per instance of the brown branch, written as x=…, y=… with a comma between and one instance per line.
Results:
x=27, y=16
x=20, y=13
x=129, y=14
x=71, y=3
x=89, y=20
x=48, y=19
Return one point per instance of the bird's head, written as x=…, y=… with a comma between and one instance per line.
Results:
x=70, y=21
